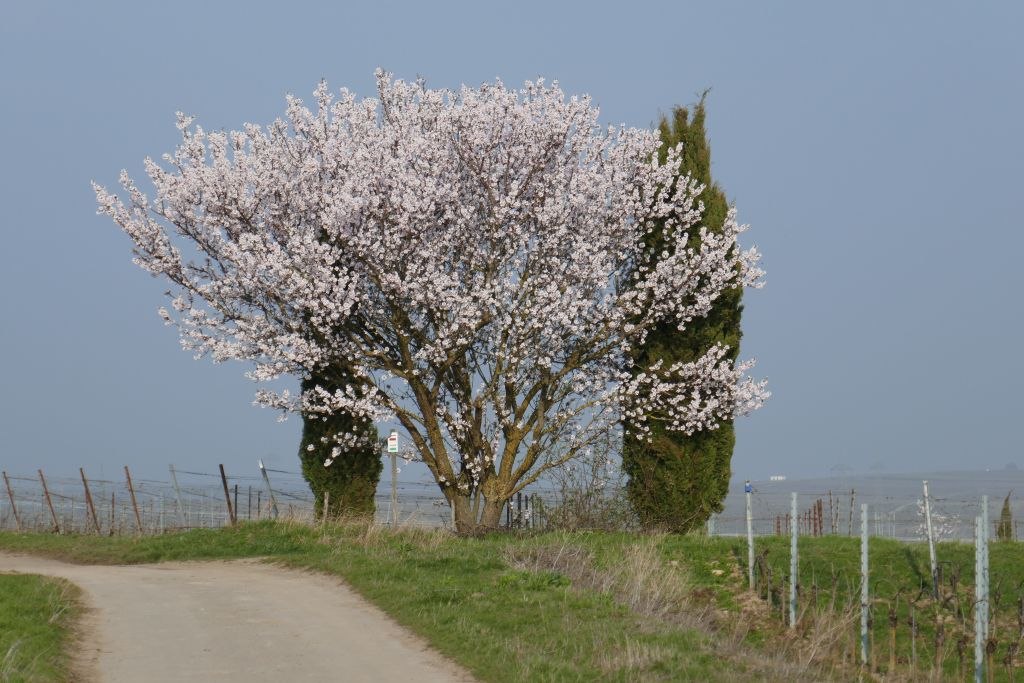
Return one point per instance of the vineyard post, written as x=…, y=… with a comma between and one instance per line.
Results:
x=49, y=502
x=270, y=491
x=794, y=565
x=984, y=569
x=88, y=500
x=227, y=495
x=853, y=498
x=979, y=631
x=750, y=536
x=131, y=491
x=14, y=508
x=177, y=498
x=931, y=542
x=865, y=605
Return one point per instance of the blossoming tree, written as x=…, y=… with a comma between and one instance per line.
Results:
x=474, y=258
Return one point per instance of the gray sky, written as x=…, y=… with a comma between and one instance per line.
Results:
x=876, y=149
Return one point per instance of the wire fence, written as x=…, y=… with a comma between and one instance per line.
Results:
x=204, y=500
x=185, y=500
x=837, y=512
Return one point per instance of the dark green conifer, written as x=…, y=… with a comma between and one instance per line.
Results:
x=676, y=482
x=1004, y=531
x=353, y=476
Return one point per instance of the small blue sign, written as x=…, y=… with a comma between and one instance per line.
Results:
x=747, y=488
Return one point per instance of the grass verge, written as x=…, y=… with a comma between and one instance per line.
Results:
x=613, y=606
x=37, y=615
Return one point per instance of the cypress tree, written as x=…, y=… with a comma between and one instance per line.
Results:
x=353, y=476
x=676, y=482
x=1004, y=531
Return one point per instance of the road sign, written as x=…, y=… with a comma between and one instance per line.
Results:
x=393, y=442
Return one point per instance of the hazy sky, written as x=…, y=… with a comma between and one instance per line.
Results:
x=875, y=148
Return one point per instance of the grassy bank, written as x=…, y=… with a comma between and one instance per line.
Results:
x=614, y=606
x=36, y=617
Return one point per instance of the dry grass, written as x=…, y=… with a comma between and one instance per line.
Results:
x=663, y=593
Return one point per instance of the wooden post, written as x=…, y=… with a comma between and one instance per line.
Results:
x=49, y=502
x=327, y=506
x=270, y=491
x=14, y=508
x=135, y=504
x=236, y=503
x=112, y=507
x=853, y=498
x=177, y=498
x=249, y=506
x=88, y=501
x=227, y=495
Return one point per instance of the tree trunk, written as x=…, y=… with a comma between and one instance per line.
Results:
x=467, y=523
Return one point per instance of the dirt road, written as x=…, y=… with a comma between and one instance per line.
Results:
x=234, y=621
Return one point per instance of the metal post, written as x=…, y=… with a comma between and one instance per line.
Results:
x=88, y=501
x=750, y=535
x=10, y=494
x=394, y=489
x=227, y=495
x=177, y=498
x=931, y=542
x=979, y=630
x=984, y=568
x=235, y=508
x=135, y=505
x=794, y=566
x=270, y=491
x=865, y=605
x=49, y=502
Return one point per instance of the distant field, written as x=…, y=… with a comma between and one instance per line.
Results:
x=36, y=619
x=892, y=499
x=624, y=607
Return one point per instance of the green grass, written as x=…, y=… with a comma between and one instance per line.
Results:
x=611, y=606
x=36, y=617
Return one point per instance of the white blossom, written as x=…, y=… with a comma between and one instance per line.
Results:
x=474, y=259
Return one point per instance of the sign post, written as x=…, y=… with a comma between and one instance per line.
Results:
x=748, y=489
x=393, y=452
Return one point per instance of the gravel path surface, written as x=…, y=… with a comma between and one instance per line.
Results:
x=234, y=621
